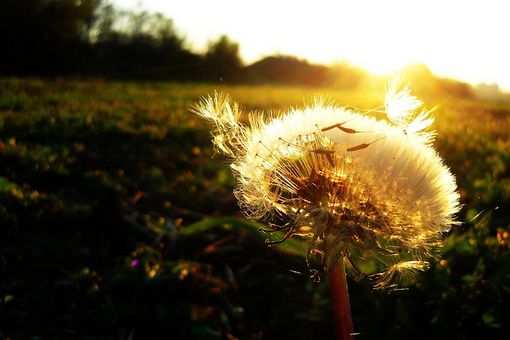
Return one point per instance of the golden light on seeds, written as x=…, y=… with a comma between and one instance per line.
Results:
x=366, y=189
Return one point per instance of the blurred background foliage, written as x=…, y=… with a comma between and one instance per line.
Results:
x=108, y=197
x=93, y=38
x=117, y=221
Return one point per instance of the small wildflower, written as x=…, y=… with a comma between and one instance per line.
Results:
x=364, y=190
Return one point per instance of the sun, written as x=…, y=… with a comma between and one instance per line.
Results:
x=384, y=63
x=455, y=39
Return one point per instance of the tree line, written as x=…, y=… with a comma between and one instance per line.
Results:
x=93, y=38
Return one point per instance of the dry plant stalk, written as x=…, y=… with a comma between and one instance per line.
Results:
x=340, y=301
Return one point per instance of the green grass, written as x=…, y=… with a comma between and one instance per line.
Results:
x=116, y=218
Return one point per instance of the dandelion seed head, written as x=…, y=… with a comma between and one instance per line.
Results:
x=363, y=189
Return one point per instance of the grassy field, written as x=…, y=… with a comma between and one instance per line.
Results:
x=117, y=221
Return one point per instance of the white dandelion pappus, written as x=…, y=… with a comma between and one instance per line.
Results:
x=401, y=107
x=366, y=190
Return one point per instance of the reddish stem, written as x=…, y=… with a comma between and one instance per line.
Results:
x=340, y=300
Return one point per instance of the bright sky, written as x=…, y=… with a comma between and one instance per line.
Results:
x=468, y=40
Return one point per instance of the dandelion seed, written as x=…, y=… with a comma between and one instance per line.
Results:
x=383, y=196
x=401, y=107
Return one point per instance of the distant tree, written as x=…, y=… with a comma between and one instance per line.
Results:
x=454, y=88
x=490, y=92
x=289, y=70
x=222, y=60
x=425, y=83
x=70, y=20
x=59, y=37
x=103, y=28
x=140, y=45
x=44, y=35
x=281, y=69
x=345, y=75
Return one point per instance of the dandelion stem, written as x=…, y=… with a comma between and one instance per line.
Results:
x=340, y=300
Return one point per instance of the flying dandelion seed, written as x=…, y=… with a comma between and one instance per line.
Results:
x=367, y=191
